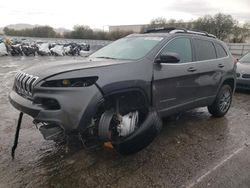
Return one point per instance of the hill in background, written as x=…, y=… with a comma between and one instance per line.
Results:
x=21, y=26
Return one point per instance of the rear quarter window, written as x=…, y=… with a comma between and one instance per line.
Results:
x=221, y=52
x=204, y=50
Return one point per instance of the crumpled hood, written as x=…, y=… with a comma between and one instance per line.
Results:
x=43, y=71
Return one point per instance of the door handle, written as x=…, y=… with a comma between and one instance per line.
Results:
x=191, y=69
x=221, y=66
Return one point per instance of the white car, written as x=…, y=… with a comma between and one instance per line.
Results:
x=243, y=72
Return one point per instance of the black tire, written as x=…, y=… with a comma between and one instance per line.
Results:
x=222, y=102
x=149, y=129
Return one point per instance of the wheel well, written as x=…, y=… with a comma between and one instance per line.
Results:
x=127, y=101
x=230, y=82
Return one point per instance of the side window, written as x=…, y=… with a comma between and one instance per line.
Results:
x=181, y=46
x=204, y=50
x=221, y=52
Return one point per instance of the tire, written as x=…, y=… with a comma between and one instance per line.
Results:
x=222, y=102
x=149, y=129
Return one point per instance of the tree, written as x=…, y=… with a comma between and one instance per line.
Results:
x=224, y=27
x=158, y=22
x=41, y=31
x=9, y=31
x=240, y=34
x=82, y=32
x=247, y=25
x=221, y=25
x=100, y=35
x=162, y=22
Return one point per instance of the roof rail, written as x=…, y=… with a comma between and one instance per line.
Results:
x=178, y=30
x=159, y=30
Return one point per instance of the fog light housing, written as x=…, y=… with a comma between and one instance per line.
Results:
x=47, y=103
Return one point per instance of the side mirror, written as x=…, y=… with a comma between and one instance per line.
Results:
x=169, y=57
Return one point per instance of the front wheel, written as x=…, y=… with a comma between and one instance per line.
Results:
x=222, y=102
x=129, y=135
x=142, y=137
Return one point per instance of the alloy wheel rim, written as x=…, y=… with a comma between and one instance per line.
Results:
x=225, y=101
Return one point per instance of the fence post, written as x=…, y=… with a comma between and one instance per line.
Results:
x=242, y=49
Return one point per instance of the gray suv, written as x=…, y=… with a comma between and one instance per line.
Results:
x=120, y=93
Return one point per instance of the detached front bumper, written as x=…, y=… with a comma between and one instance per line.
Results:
x=77, y=106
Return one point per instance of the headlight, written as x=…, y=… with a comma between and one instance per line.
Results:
x=71, y=82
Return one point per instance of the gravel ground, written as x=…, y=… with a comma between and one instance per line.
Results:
x=193, y=150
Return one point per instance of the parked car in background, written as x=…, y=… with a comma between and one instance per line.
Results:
x=243, y=72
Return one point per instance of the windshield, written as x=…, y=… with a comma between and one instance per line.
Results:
x=245, y=58
x=131, y=48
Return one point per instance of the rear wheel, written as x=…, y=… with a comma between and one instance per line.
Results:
x=222, y=102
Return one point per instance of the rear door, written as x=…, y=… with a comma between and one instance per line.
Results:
x=209, y=70
x=174, y=84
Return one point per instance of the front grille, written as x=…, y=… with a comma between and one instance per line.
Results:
x=24, y=83
x=238, y=75
x=246, y=76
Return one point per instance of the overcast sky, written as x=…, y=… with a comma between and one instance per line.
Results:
x=100, y=13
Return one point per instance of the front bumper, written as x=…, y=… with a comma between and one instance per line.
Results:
x=77, y=106
x=23, y=105
x=243, y=83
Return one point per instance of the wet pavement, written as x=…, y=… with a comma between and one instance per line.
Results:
x=193, y=150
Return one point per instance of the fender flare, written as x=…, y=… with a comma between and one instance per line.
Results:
x=224, y=80
x=98, y=100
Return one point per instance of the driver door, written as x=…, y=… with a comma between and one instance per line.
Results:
x=174, y=86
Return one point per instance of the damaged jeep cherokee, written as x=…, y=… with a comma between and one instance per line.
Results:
x=120, y=93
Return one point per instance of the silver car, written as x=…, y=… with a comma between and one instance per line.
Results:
x=243, y=72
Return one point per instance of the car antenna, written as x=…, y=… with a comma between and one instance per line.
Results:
x=17, y=135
